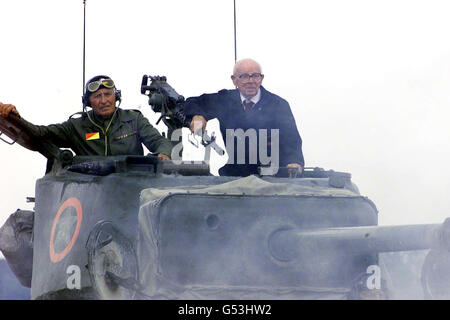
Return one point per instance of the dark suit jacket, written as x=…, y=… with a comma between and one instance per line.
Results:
x=271, y=112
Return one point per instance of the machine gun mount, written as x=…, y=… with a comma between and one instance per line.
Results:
x=165, y=100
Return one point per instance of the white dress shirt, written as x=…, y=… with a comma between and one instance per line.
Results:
x=254, y=99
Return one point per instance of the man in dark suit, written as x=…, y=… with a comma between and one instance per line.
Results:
x=253, y=117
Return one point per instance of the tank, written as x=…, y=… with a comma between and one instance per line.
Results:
x=135, y=227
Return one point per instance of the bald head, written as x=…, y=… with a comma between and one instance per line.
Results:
x=245, y=64
x=247, y=77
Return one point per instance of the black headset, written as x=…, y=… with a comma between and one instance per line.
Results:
x=87, y=93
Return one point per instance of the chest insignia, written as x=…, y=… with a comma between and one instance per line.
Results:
x=125, y=135
x=92, y=136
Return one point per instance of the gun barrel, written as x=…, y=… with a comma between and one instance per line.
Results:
x=289, y=244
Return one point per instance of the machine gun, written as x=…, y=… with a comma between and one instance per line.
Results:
x=165, y=100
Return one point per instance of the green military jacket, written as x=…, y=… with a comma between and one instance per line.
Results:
x=123, y=134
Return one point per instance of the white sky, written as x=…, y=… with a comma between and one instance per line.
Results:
x=367, y=81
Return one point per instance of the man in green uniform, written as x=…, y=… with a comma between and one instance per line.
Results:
x=106, y=130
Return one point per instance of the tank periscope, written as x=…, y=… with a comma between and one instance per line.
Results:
x=217, y=242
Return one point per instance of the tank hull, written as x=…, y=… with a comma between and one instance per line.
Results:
x=222, y=234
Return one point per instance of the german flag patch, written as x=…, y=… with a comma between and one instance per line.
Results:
x=92, y=136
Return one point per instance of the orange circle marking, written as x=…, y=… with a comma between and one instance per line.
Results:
x=71, y=202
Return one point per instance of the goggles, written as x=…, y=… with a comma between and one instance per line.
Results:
x=94, y=85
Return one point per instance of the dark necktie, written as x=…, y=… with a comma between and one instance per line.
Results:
x=248, y=105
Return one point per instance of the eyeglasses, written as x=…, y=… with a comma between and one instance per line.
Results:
x=253, y=76
x=94, y=85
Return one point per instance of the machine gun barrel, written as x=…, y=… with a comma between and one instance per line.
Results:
x=289, y=244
